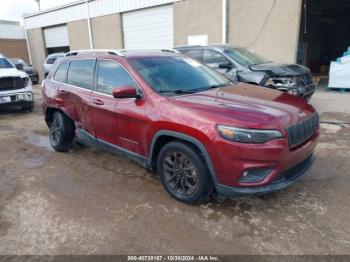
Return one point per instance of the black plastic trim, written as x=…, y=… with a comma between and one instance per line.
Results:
x=90, y=140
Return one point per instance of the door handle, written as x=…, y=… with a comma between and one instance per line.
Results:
x=98, y=102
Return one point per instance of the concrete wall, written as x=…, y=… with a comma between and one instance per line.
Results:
x=37, y=49
x=269, y=27
x=197, y=17
x=14, y=48
x=107, y=32
x=78, y=35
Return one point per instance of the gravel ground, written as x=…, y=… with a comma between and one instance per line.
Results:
x=91, y=202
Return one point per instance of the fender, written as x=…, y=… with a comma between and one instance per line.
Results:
x=61, y=109
x=187, y=138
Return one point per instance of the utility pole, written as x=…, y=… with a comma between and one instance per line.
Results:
x=38, y=2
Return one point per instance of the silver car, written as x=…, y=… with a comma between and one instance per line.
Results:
x=50, y=60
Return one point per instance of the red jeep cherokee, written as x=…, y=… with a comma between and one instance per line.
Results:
x=201, y=133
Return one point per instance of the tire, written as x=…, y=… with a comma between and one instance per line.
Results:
x=183, y=173
x=61, y=132
x=28, y=108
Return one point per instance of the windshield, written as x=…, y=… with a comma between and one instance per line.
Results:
x=245, y=57
x=176, y=75
x=4, y=63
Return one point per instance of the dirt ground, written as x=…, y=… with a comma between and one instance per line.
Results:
x=91, y=202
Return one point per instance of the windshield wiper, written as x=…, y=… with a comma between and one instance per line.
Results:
x=217, y=86
x=178, y=91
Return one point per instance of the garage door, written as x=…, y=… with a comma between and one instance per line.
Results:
x=150, y=28
x=56, y=36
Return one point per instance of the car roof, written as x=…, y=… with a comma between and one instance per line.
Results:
x=216, y=46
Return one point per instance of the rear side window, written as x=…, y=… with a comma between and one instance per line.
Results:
x=213, y=57
x=111, y=75
x=61, y=73
x=196, y=54
x=81, y=73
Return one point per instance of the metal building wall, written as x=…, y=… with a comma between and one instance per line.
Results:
x=8, y=31
x=78, y=11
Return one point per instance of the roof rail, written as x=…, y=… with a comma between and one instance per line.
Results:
x=170, y=50
x=94, y=51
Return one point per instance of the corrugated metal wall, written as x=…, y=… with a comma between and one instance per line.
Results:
x=11, y=31
x=96, y=7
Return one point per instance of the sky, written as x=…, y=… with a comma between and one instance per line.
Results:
x=14, y=9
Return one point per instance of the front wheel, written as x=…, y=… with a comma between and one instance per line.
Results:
x=183, y=173
x=61, y=132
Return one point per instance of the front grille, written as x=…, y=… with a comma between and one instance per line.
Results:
x=11, y=83
x=300, y=133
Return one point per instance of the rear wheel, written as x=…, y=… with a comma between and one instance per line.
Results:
x=183, y=173
x=61, y=132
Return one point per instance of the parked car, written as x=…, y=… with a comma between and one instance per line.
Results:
x=29, y=69
x=15, y=87
x=200, y=132
x=240, y=64
x=50, y=60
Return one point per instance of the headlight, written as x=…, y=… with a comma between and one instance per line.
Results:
x=248, y=135
x=281, y=83
x=26, y=81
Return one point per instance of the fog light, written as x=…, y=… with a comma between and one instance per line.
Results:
x=255, y=175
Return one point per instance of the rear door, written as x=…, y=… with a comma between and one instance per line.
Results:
x=78, y=92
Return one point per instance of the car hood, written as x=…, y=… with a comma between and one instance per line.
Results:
x=11, y=72
x=281, y=69
x=247, y=106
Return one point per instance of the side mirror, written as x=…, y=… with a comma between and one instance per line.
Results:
x=19, y=66
x=225, y=65
x=125, y=92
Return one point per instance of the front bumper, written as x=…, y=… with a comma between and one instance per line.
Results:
x=16, y=99
x=284, y=180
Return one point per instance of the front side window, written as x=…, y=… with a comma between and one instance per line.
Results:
x=214, y=58
x=111, y=75
x=81, y=73
x=4, y=63
x=177, y=74
x=245, y=57
x=61, y=73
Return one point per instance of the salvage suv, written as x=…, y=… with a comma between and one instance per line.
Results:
x=201, y=133
x=15, y=87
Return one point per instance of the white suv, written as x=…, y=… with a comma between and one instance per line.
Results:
x=15, y=87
